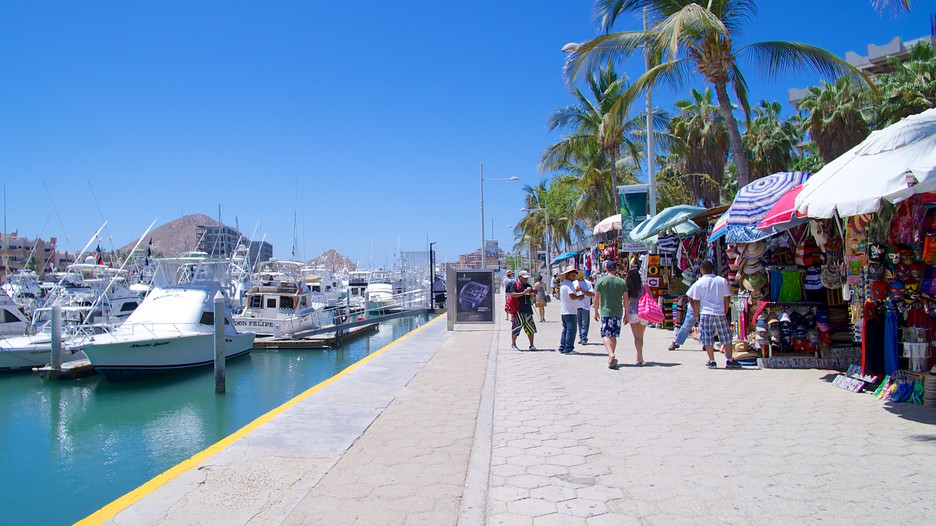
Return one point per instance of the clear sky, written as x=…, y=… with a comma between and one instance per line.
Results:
x=365, y=126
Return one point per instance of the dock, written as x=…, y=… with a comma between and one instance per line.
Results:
x=328, y=340
x=70, y=370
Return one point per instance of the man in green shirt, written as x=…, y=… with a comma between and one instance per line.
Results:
x=609, y=308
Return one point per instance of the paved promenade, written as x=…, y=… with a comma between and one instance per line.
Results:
x=457, y=428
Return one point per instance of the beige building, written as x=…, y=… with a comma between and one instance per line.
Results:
x=37, y=254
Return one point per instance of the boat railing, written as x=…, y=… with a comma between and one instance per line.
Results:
x=159, y=329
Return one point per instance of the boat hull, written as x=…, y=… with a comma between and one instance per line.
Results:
x=133, y=359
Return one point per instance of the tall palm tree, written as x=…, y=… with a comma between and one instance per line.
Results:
x=700, y=38
x=897, y=6
x=599, y=120
x=839, y=117
x=700, y=145
x=768, y=141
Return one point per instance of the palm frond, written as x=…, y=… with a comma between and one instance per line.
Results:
x=600, y=50
x=776, y=58
x=685, y=27
x=740, y=86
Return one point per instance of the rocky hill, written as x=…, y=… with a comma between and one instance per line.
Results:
x=175, y=237
x=333, y=261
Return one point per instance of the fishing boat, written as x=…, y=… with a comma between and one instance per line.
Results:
x=173, y=328
x=281, y=303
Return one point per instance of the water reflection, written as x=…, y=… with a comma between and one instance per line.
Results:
x=89, y=441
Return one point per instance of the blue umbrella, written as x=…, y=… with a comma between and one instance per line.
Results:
x=678, y=218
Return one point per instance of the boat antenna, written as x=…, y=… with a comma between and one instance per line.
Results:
x=52, y=297
x=101, y=213
x=61, y=224
x=117, y=274
x=35, y=245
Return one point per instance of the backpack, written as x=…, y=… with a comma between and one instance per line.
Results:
x=511, y=304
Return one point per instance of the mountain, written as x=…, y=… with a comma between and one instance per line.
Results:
x=333, y=261
x=173, y=238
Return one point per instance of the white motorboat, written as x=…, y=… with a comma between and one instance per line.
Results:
x=281, y=303
x=173, y=329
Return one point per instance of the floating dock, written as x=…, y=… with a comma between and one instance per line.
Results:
x=70, y=370
x=326, y=340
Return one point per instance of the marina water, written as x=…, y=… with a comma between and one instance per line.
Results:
x=71, y=447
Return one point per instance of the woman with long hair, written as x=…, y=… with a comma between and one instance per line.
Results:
x=540, y=297
x=635, y=289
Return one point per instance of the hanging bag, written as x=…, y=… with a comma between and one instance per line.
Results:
x=511, y=304
x=649, y=309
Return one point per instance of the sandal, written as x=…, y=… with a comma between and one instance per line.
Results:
x=613, y=364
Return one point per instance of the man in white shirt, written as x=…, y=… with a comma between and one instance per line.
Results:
x=711, y=296
x=568, y=307
x=585, y=287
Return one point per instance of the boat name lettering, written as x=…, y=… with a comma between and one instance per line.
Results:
x=152, y=344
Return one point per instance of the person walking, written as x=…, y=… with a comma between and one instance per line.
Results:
x=685, y=329
x=584, y=286
x=711, y=297
x=438, y=291
x=507, y=283
x=635, y=289
x=609, y=309
x=540, y=297
x=569, y=300
x=523, y=319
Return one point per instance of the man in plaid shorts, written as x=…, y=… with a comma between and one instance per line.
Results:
x=710, y=297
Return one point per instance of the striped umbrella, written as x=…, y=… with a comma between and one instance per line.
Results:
x=719, y=229
x=754, y=201
x=782, y=215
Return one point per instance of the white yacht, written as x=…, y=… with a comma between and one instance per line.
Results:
x=281, y=303
x=173, y=329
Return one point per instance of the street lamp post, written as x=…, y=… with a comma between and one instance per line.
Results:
x=483, y=259
x=545, y=212
x=572, y=47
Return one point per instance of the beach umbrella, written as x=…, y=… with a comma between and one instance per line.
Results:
x=669, y=218
x=720, y=227
x=890, y=164
x=782, y=216
x=608, y=224
x=754, y=201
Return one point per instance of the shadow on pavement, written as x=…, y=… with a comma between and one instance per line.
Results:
x=916, y=413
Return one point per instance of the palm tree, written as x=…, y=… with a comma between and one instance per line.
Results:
x=597, y=121
x=699, y=38
x=700, y=145
x=897, y=6
x=910, y=88
x=839, y=117
x=768, y=141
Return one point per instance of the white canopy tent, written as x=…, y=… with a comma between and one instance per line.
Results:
x=891, y=164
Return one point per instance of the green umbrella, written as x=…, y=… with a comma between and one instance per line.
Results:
x=677, y=218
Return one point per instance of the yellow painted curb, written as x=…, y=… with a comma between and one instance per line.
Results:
x=109, y=511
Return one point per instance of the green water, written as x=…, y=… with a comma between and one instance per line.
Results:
x=68, y=448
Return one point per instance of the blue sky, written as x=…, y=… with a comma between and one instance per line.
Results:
x=364, y=125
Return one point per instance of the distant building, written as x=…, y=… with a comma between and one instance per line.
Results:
x=877, y=61
x=259, y=252
x=17, y=253
x=473, y=260
x=217, y=241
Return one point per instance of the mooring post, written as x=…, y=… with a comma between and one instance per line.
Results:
x=56, y=337
x=219, y=364
x=366, y=304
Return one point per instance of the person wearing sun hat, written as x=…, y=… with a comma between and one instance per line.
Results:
x=523, y=319
x=569, y=299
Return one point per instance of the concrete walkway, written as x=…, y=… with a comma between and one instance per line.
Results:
x=449, y=428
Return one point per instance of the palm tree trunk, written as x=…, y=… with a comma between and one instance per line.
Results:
x=734, y=136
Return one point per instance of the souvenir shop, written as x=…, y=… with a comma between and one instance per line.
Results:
x=857, y=295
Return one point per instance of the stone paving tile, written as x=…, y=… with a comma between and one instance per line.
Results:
x=675, y=443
